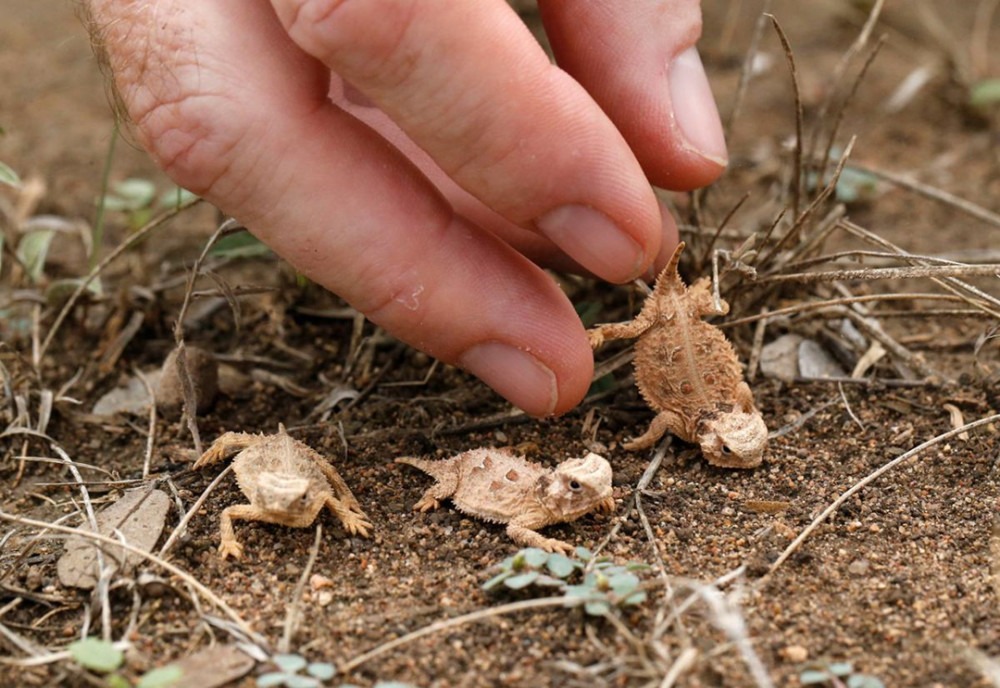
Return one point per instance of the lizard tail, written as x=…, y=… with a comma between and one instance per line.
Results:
x=431, y=468
x=670, y=279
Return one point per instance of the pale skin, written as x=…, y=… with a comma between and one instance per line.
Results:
x=424, y=160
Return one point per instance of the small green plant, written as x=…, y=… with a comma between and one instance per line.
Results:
x=137, y=199
x=103, y=657
x=838, y=675
x=985, y=93
x=239, y=245
x=603, y=587
x=288, y=673
x=8, y=176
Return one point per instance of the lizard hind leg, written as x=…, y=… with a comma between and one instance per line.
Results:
x=445, y=474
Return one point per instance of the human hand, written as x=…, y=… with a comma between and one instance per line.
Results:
x=422, y=158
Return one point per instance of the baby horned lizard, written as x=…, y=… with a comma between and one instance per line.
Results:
x=286, y=482
x=687, y=371
x=497, y=486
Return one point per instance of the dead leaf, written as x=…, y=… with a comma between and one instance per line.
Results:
x=957, y=420
x=203, y=370
x=138, y=516
x=872, y=356
x=132, y=398
x=213, y=667
x=780, y=358
x=816, y=362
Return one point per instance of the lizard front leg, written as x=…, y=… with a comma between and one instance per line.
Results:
x=229, y=546
x=340, y=488
x=627, y=330
x=665, y=420
x=354, y=523
x=225, y=446
x=700, y=296
x=527, y=537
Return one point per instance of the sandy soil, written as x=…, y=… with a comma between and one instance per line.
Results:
x=901, y=581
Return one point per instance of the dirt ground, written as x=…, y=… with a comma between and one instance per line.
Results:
x=901, y=581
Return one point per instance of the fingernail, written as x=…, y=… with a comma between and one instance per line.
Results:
x=695, y=109
x=590, y=238
x=515, y=374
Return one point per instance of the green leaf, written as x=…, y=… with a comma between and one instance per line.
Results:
x=175, y=197
x=854, y=185
x=117, y=681
x=535, y=557
x=32, y=249
x=59, y=290
x=296, y=681
x=96, y=654
x=521, y=580
x=137, y=193
x=239, y=245
x=623, y=583
x=638, y=597
x=548, y=581
x=583, y=553
x=274, y=678
x=162, y=677
x=497, y=580
x=597, y=608
x=507, y=564
x=813, y=676
x=289, y=663
x=560, y=565
x=840, y=668
x=321, y=670
x=637, y=566
x=864, y=681
x=986, y=92
x=9, y=176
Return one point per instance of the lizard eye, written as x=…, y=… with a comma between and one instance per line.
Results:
x=575, y=486
x=726, y=449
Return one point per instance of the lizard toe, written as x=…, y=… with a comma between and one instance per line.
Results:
x=231, y=549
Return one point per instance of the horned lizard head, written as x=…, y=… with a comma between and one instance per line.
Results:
x=577, y=487
x=286, y=494
x=733, y=439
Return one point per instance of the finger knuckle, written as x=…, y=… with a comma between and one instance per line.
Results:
x=369, y=39
x=183, y=136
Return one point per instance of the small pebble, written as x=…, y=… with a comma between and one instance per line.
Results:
x=318, y=581
x=858, y=567
x=795, y=654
